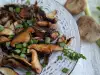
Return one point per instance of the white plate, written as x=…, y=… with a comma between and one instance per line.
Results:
x=66, y=25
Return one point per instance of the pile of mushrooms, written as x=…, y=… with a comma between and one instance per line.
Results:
x=26, y=33
x=89, y=29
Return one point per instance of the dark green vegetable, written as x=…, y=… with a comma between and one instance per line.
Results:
x=18, y=51
x=25, y=44
x=33, y=41
x=19, y=45
x=28, y=73
x=10, y=36
x=19, y=26
x=62, y=44
x=30, y=22
x=60, y=58
x=25, y=24
x=98, y=8
x=17, y=9
x=28, y=51
x=22, y=55
x=24, y=50
x=64, y=70
x=1, y=28
x=43, y=65
x=47, y=40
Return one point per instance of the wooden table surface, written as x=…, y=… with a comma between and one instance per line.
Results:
x=91, y=66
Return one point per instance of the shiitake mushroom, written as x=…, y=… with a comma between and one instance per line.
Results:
x=7, y=71
x=75, y=6
x=89, y=29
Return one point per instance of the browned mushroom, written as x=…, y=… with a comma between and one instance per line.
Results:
x=12, y=25
x=53, y=26
x=51, y=15
x=22, y=37
x=43, y=23
x=54, y=35
x=35, y=62
x=4, y=19
x=20, y=58
x=2, y=54
x=4, y=39
x=44, y=48
x=12, y=62
x=24, y=13
x=7, y=31
x=7, y=71
x=75, y=6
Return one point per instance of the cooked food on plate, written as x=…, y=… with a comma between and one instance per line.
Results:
x=28, y=34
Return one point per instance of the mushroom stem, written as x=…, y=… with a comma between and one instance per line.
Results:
x=87, y=10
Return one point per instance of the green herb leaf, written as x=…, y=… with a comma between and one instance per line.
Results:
x=1, y=28
x=28, y=73
x=98, y=8
x=43, y=65
x=47, y=40
x=64, y=70
x=72, y=54
x=18, y=51
x=60, y=58
x=19, y=46
x=11, y=36
x=28, y=2
x=17, y=9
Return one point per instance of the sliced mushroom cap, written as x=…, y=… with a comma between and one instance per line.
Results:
x=4, y=19
x=11, y=25
x=51, y=15
x=7, y=31
x=22, y=37
x=4, y=39
x=20, y=59
x=44, y=48
x=2, y=54
x=43, y=23
x=7, y=71
x=8, y=23
x=75, y=6
x=24, y=13
x=54, y=35
x=89, y=29
x=53, y=26
x=35, y=61
x=12, y=62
